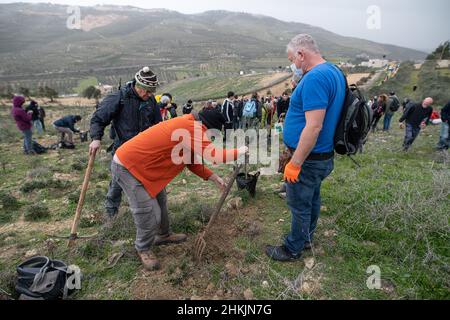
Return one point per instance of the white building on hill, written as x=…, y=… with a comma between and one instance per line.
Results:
x=374, y=63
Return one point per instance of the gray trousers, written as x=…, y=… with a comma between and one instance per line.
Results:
x=150, y=215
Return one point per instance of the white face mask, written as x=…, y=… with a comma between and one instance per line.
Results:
x=298, y=73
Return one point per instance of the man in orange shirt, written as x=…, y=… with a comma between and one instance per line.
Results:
x=146, y=164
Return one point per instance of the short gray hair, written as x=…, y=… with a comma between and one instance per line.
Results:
x=303, y=41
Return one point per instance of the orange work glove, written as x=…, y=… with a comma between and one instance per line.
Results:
x=292, y=172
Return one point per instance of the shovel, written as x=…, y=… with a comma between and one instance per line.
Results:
x=200, y=243
x=73, y=233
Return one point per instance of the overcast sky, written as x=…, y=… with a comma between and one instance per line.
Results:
x=415, y=24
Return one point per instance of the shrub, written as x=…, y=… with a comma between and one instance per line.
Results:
x=37, y=212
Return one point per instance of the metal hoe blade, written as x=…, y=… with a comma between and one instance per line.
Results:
x=200, y=243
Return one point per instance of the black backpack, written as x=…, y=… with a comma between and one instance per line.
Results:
x=38, y=148
x=354, y=124
x=394, y=104
x=43, y=279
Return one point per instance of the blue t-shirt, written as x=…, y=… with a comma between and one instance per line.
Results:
x=323, y=87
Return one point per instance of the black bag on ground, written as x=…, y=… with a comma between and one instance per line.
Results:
x=354, y=124
x=66, y=145
x=38, y=148
x=43, y=279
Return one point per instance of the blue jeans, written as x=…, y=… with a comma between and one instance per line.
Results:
x=444, y=140
x=411, y=134
x=387, y=121
x=27, y=141
x=303, y=199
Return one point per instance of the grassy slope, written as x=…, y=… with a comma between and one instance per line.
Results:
x=393, y=212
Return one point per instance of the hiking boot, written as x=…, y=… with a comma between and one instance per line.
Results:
x=282, y=195
x=281, y=253
x=173, y=238
x=149, y=260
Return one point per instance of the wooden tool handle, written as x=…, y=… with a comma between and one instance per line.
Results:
x=224, y=196
x=87, y=176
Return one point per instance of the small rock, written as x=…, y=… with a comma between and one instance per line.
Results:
x=265, y=284
x=323, y=209
x=235, y=203
x=196, y=298
x=248, y=294
x=31, y=253
x=309, y=263
x=184, y=181
x=254, y=229
x=119, y=244
x=231, y=269
x=306, y=287
x=281, y=221
x=245, y=270
x=219, y=293
x=210, y=287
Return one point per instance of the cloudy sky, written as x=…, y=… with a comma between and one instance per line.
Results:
x=415, y=24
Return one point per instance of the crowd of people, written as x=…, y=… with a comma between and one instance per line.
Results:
x=142, y=124
x=415, y=117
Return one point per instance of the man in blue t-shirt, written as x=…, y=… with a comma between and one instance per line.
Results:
x=309, y=128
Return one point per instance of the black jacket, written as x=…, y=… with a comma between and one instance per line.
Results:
x=445, y=113
x=282, y=106
x=129, y=114
x=227, y=110
x=66, y=122
x=33, y=107
x=415, y=114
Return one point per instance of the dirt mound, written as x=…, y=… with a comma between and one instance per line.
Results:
x=181, y=278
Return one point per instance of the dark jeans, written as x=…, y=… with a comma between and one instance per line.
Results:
x=387, y=121
x=27, y=141
x=444, y=139
x=226, y=127
x=113, y=197
x=375, y=121
x=303, y=199
x=235, y=123
x=411, y=134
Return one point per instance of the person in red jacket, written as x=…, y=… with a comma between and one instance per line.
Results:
x=146, y=164
x=24, y=123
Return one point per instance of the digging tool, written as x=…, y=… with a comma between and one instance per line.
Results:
x=200, y=243
x=73, y=233
x=247, y=155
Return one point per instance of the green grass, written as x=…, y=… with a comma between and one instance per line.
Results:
x=393, y=212
x=83, y=84
x=212, y=87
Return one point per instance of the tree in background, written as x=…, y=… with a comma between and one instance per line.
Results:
x=47, y=92
x=441, y=53
x=24, y=91
x=92, y=92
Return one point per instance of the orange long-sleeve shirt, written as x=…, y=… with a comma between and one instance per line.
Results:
x=148, y=156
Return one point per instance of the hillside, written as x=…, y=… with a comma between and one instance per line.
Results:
x=391, y=212
x=114, y=41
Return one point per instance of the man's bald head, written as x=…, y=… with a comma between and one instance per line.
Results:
x=427, y=102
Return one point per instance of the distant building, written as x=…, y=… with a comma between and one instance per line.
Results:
x=374, y=63
x=105, y=89
x=443, y=64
